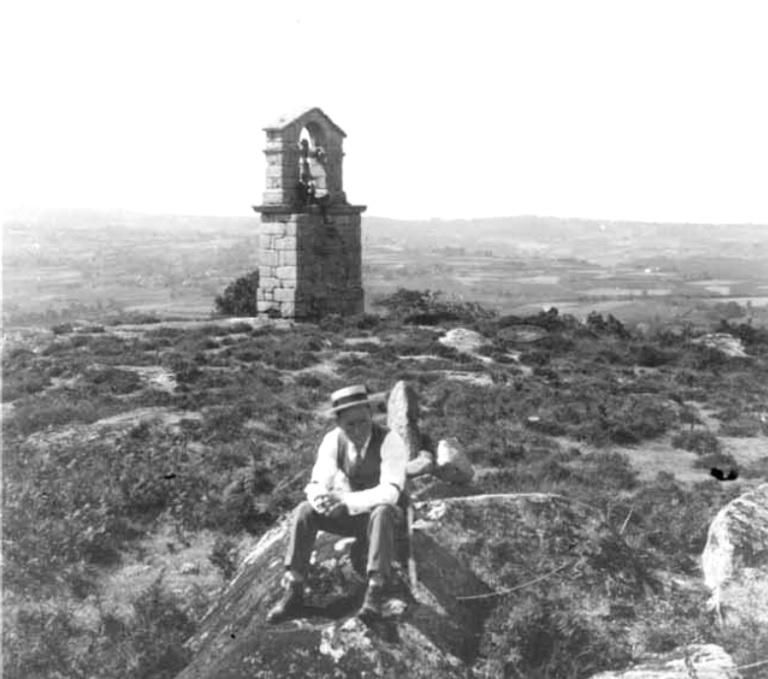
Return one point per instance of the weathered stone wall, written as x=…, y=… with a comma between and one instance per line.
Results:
x=309, y=268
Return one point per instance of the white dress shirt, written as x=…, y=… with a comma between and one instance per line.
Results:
x=327, y=477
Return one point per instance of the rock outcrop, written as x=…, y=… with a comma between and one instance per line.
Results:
x=433, y=631
x=704, y=661
x=724, y=343
x=735, y=559
x=463, y=340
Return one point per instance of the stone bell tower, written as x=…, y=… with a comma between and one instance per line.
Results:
x=310, y=252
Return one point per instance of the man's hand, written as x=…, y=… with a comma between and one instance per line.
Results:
x=329, y=504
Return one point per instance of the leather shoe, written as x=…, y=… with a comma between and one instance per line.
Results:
x=290, y=603
x=372, y=603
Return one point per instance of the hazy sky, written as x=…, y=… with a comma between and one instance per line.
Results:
x=652, y=110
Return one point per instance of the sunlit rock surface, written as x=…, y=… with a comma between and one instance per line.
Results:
x=464, y=340
x=724, y=343
x=735, y=559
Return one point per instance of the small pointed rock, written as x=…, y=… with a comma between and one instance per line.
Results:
x=403, y=416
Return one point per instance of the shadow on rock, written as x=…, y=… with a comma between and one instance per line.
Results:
x=453, y=626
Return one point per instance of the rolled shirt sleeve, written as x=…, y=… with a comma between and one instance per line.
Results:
x=326, y=470
x=394, y=458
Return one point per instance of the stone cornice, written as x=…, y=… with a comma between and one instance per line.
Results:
x=313, y=209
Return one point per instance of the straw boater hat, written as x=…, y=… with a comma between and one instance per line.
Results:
x=349, y=397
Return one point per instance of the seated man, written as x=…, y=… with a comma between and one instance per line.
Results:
x=356, y=483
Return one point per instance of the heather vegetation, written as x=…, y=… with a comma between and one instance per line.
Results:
x=236, y=417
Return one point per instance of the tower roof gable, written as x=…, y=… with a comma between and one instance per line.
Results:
x=313, y=114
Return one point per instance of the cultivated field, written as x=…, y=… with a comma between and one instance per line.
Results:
x=65, y=266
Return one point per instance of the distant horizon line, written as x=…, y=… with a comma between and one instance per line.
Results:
x=20, y=212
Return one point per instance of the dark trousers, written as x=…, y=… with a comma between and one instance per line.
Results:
x=375, y=533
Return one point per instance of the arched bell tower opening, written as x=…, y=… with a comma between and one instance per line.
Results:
x=312, y=164
x=309, y=245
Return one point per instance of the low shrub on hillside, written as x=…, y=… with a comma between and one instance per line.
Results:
x=103, y=345
x=554, y=627
x=748, y=645
x=670, y=519
x=62, y=328
x=184, y=367
x=638, y=417
x=757, y=469
x=132, y=318
x=700, y=441
x=557, y=619
x=607, y=471
x=548, y=634
x=166, y=332
x=652, y=356
x=224, y=555
x=364, y=321
x=241, y=327
x=427, y=307
x=59, y=408
x=539, y=465
x=535, y=357
x=754, y=337
x=716, y=460
x=743, y=426
x=26, y=372
x=473, y=414
x=555, y=343
x=701, y=357
x=283, y=350
x=24, y=380
x=113, y=380
x=610, y=325
x=239, y=297
x=676, y=618
x=87, y=501
x=45, y=642
x=624, y=419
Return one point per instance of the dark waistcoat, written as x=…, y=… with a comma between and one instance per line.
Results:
x=365, y=472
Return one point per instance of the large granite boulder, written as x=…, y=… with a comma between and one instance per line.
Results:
x=735, y=559
x=705, y=661
x=434, y=630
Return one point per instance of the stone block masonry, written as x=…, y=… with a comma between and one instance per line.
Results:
x=309, y=268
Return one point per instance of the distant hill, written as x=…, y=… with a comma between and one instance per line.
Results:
x=97, y=219
x=591, y=239
x=63, y=264
x=422, y=231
